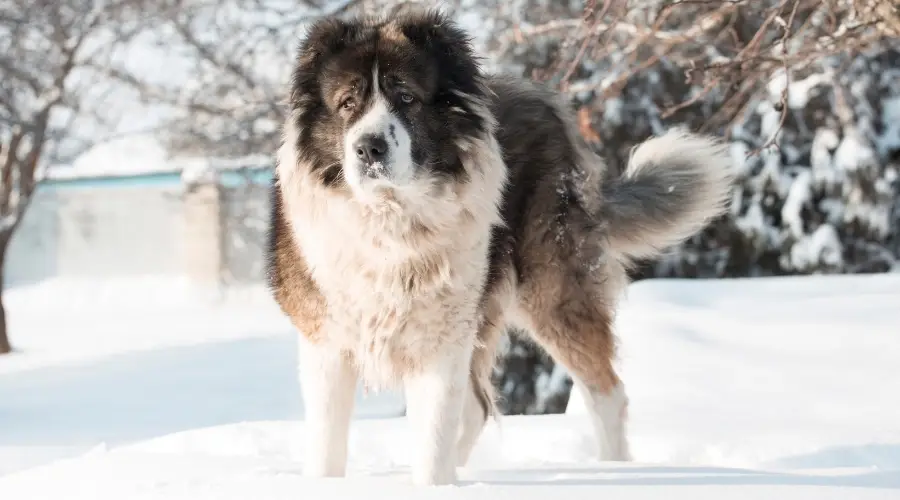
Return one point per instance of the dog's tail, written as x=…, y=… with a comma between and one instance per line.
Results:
x=674, y=185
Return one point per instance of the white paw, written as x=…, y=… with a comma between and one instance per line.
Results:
x=434, y=477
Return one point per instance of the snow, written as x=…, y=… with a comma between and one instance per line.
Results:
x=798, y=93
x=140, y=154
x=825, y=141
x=739, y=151
x=199, y=172
x=854, y=153
x=763, y=388
x=129, y=155
x=105, y=363
x=798, y=196
x=102, y=314
x=823, y=246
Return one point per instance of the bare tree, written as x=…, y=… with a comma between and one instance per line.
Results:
x=730, y=48
x=235, y=57
x=46, y=50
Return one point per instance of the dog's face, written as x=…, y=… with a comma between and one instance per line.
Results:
x=381, y=105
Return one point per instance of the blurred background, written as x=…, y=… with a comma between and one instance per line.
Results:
x=136, y=147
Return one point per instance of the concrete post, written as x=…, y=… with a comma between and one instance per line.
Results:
x=203, y=233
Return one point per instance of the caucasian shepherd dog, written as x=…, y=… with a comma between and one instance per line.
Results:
x=422, y=206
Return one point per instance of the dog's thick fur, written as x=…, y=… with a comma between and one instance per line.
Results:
x=421, y=207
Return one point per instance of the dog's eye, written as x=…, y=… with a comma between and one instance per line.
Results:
x=406, y=98
x=348, y=104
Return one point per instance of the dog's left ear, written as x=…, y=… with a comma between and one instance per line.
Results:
x=448, y=44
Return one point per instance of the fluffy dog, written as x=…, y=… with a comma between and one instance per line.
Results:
x=421, y=207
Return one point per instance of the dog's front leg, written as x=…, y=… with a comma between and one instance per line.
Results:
x=328, y=384
x=435, y=396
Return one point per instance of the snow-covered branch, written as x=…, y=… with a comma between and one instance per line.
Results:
x=232, y=61
x=43, y=58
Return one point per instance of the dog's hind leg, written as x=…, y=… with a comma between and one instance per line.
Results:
x=328, y=383
x=608, y=408
x=575, y=328
x=474, y=416
x=480, y=399
x=479, y=403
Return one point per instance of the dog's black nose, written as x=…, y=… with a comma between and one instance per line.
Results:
x=371, y=148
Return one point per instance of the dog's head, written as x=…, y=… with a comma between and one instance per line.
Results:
x=383, y=104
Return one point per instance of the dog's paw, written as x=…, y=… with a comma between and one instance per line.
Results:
x=436, y=477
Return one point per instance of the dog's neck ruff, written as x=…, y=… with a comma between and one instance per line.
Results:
x=410, y=242
x=394, y=279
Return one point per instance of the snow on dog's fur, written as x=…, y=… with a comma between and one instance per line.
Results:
x=421, y=207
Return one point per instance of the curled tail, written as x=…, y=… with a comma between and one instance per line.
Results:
x=673, y=186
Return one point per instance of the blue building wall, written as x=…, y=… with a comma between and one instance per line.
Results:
x=132, y=225
x=227, y=178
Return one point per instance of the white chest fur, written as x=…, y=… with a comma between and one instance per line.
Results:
x=390, y=305
x=398, y=285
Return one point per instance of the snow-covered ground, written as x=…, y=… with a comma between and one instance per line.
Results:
x=766, y=388
x=117, y=362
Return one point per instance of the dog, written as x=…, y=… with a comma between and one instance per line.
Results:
x=421, y=206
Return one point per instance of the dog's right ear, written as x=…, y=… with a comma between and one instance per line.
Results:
x=323, y=38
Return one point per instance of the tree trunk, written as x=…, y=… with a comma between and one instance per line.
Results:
x=4, y=338
x=5, y=346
